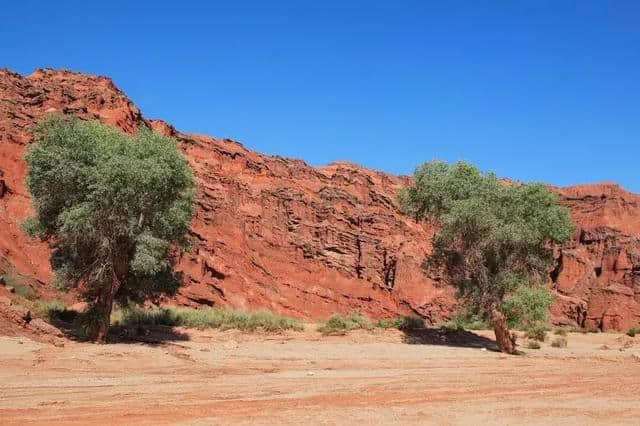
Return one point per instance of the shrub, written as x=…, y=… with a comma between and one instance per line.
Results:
x=633, y=331
x=207, y=318
x=581, y=330
x=340, y=325
x=560, y=332
x=401, y=323
x=532, y=344
x=74, y=323
x=528, y=307
x=24, y=290
x=55, y=311
x=449, y=325
x=536, y=332
x=478, y=325
x=386, y=323
x=335, y=324
x=134, y=317
x=467, y=319
x=559, y=342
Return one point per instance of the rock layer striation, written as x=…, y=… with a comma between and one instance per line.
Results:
x=275, y=233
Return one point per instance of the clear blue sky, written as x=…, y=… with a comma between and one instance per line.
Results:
x=533, y=90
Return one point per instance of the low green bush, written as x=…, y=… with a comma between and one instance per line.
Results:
x=560, y=332
x=55, y=311
x=206, y=318
x=559, y=342
x=536, y=332
x=527, y=308
x=340, y=325
x=633, y=331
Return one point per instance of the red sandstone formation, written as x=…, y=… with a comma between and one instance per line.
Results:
x=275, y=233
x=16, y=320
x=598, y=275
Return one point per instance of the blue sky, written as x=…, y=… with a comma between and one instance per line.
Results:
x=532, y=90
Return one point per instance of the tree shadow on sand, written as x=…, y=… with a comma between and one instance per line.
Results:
x=447, y=337
x=153, y=335
x=156, y=334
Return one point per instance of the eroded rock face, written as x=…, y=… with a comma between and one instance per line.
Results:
x=598, y=275
x=275, y=233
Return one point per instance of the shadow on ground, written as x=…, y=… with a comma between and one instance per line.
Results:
x=156, y=334
x=447, y=337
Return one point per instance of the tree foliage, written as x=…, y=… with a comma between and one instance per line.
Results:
x=494, y=237
x=113, y=205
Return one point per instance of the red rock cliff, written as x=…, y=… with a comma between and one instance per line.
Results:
x=275, y=233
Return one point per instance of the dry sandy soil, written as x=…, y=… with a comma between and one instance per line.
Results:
x=381, y=377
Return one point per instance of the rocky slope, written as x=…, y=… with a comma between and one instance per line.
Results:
x=277, y=234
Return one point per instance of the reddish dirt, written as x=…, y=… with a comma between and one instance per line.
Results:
x=305, y=241
x=18, y=320
x=303, y=378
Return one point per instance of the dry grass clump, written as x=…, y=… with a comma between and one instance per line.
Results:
x=207, y=318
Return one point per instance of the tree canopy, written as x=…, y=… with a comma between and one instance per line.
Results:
x=494, y=237
x=114, y=206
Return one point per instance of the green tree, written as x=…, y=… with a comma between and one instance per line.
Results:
x=116, y=209
x=494, y=237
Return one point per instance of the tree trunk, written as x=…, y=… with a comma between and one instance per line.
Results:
x=99, y=327
x=501, y=328
x=117, y=269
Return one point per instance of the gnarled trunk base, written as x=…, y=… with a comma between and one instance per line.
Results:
x=99, y=325
x=501, y=328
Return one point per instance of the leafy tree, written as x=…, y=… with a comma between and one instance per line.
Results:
x=115, y=207
x=493, y=239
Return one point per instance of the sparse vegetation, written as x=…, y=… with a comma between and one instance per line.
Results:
x=450, y=325
x=74, y=323
x=580, y=330
x=206, y=318
x=340, y=325
x=633, y=331
x=536, y=332
x=23, y=290
x=115, y=207
x=55, y=311
x=401, y=323
x=559, y=342
x=78, y=324
x=20, y=287
x=560, y=331
x=532, y=344
x=493, y=240
x=465, y=320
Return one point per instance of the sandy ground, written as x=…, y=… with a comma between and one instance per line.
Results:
x=381, y=377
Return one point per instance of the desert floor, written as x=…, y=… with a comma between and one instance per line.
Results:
x=377, y=377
